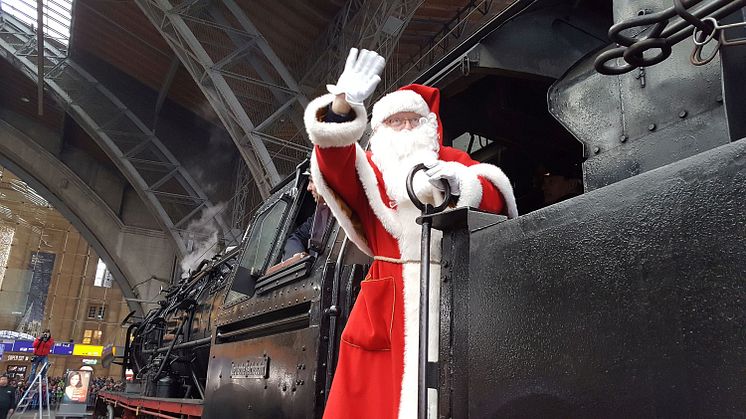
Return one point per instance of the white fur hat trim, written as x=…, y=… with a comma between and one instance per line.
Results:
x=395, y=102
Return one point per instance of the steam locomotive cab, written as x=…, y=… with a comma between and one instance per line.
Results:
x=276, y=332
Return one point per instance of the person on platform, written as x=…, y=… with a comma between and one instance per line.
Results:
x=376, y=375
x=42, y=346
x=7, y=398
x=75, y=391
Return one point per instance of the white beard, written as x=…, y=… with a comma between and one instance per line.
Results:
x=396, y=152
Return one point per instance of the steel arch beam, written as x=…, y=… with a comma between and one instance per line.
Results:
x=115, y=243
x=374, y=25
x=280, y=105
x=114, y=128
x=211, y=77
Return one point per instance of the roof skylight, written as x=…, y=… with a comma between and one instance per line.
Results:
x=57, y=16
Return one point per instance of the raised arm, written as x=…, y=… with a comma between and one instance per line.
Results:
x=335, y=122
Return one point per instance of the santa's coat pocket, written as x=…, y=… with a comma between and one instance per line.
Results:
x=370, y=324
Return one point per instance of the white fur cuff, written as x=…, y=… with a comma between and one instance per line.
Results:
x=471, y=189
x=501, y=182
x=333, y=134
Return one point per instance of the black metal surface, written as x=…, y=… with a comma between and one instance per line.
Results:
x=293, y=321
x=623, y=302
x=633, y=123
x=467, y=218
x=442, y=65
x=172, y=342
x=288, y=390
x=290, y=274
x=424, y=308
x=732, y=61
x=558, y=33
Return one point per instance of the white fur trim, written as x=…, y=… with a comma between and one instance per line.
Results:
x=344, y=221
x=471, y=188
x=398, y=101
x=333, y=134
x=409, y=245
x=368, y=179
x=501, y=182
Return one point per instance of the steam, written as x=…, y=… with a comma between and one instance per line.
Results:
x=203, y=235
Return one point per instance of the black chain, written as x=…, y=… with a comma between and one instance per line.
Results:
x=657, y=34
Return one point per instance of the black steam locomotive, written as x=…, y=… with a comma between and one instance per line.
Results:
x=619, y=291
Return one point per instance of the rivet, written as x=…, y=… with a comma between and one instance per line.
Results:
x=719, y=99
x=596, y=150
x=651, y=127
x=682, y=114
x=623, y=138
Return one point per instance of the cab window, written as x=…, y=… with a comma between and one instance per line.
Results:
x=257, y=249
x=306, y=235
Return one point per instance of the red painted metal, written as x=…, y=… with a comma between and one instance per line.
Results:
x=140, y=405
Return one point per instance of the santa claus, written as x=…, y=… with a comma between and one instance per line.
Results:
x=376, y=375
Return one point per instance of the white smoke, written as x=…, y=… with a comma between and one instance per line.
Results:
x=203, y=234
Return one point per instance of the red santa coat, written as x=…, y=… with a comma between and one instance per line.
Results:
x=376, y=375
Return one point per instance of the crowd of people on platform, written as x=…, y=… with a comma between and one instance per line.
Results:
x=57, y=388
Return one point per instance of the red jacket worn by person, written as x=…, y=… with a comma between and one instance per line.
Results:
x=42, y=348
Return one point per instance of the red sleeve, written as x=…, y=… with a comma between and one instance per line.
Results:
x=337, y=164
x=492, y=200
x=51, y=342
x=36, y=342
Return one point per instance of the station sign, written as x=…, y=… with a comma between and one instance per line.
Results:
x=16, y=357
x=88, y=350
x=23, y=346
x=63, y=348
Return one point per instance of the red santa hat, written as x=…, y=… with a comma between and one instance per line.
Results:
x=411, y=98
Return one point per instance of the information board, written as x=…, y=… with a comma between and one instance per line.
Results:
x=63, y=348
x=87, y=350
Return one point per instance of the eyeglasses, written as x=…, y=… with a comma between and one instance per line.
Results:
x=399, y=123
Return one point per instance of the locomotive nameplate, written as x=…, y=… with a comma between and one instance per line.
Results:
x=257, y=367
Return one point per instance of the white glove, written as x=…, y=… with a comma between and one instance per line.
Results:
x=360, y=76
x=452, y=172
x=423, y=188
